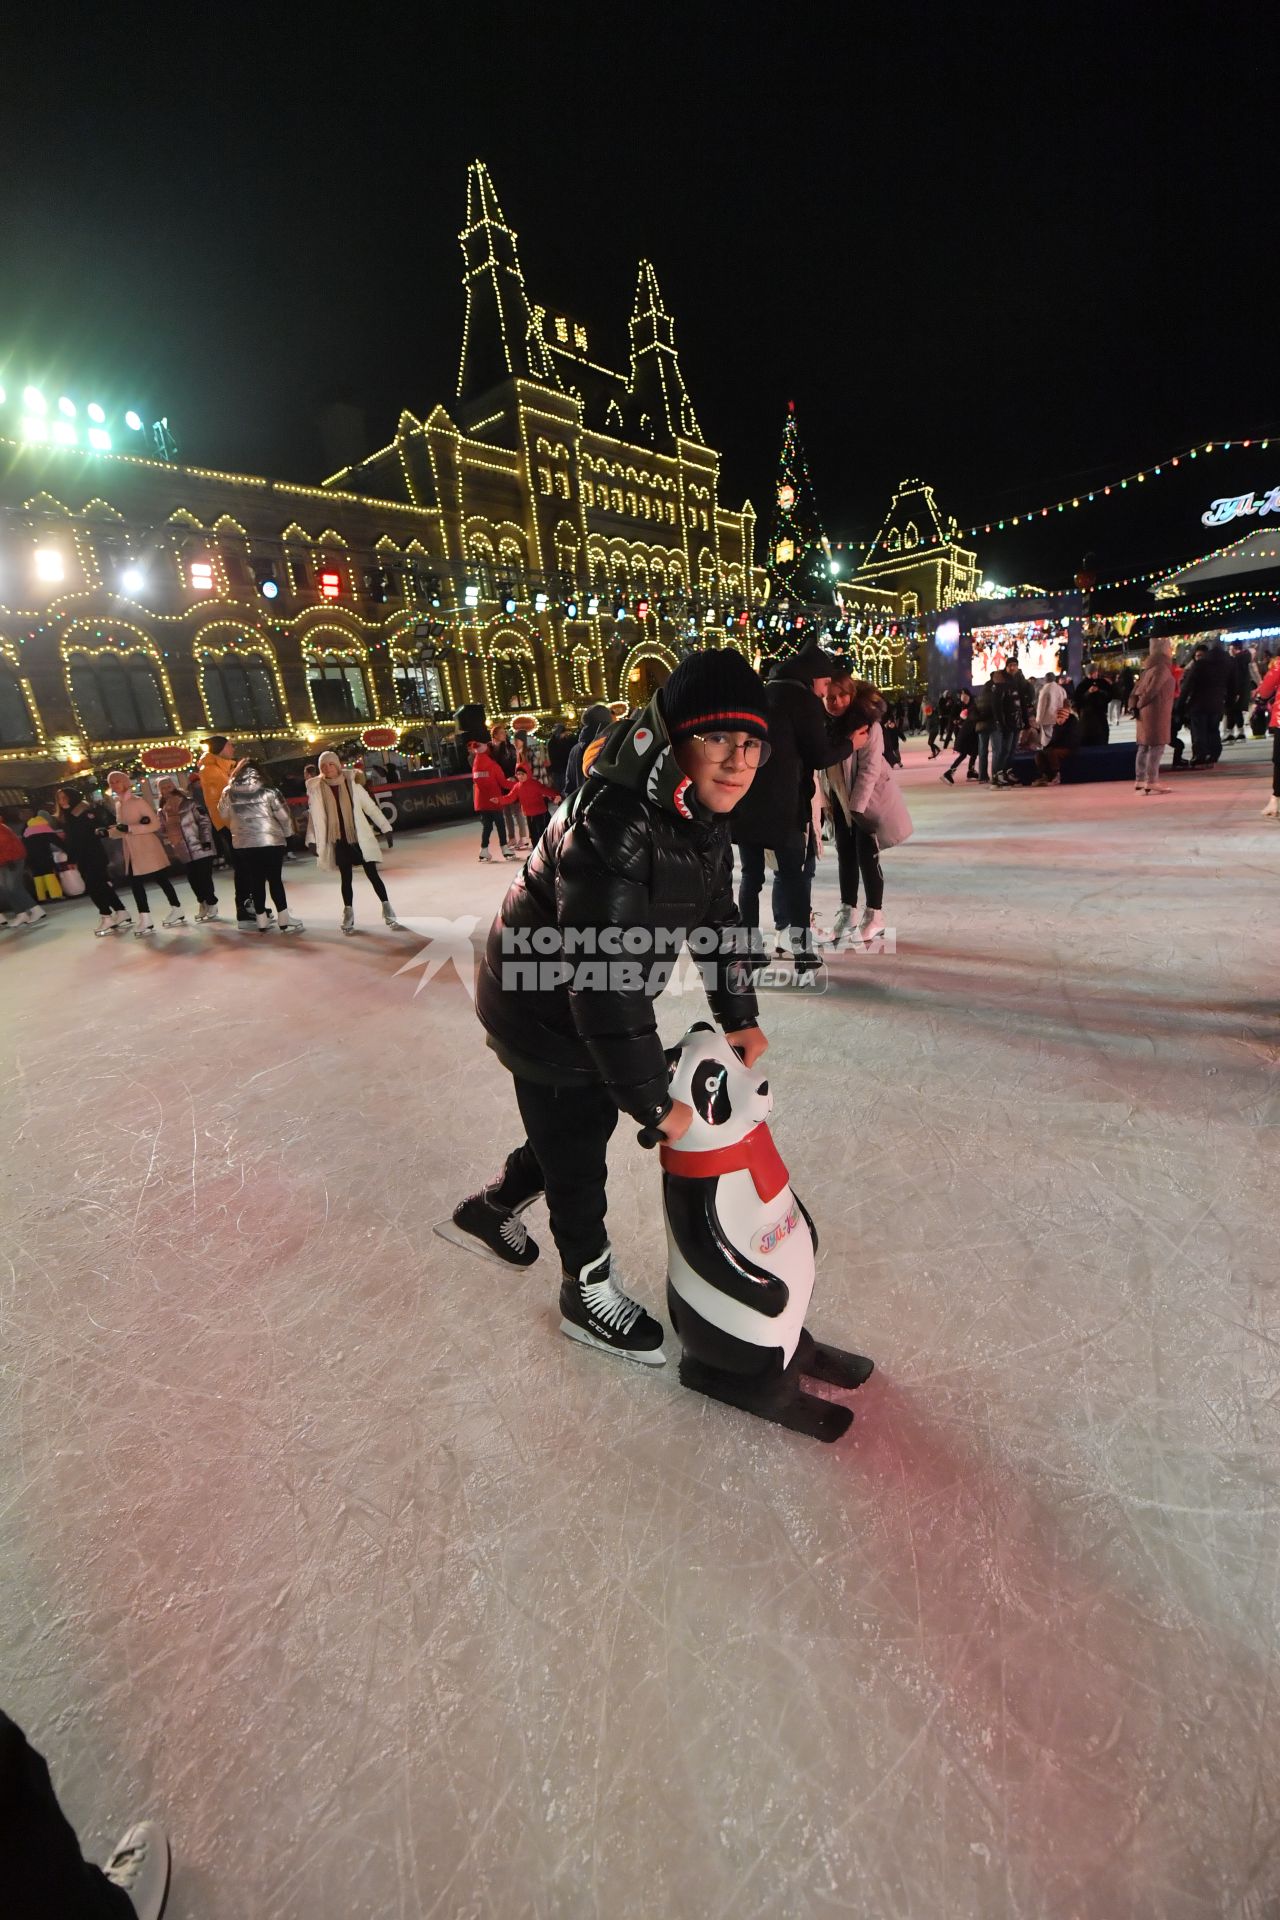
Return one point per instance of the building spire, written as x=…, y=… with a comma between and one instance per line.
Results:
x=799, y=559
x=657, y=388
x=499, y=339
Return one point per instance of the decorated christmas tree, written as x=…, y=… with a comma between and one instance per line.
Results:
x=799, y=556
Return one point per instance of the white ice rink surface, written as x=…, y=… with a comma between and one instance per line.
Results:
x=317, y=1538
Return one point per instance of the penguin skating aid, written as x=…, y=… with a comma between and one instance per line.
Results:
x=740, y=1250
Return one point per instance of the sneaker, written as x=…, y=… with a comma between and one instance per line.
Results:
x=348, y=919
x=389, y=916
x=175, y=918
x=140, y=1867
x=599, y=1314
x=484, y=1226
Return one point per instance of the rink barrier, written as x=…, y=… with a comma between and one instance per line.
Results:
x=412, y=803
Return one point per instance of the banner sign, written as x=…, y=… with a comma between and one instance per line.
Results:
x=1241, y=507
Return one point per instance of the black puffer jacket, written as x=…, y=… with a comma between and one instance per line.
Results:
x=801, y=739
x=632, y=849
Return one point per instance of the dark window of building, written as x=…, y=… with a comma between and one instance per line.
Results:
x=339, y=692
x=119, y=701
x=17, y=728
x=241, y=695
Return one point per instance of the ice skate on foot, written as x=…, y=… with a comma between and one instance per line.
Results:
x=594, y=1310
x=486, y=1224
x=289, y=921
x=144, y=926
x=1272, y=808
x=140, y=1867
x=348, y=920
x=106, y=924
x=389, y=917
x=817, y=1361
x=781, y=1400
x=175, y=917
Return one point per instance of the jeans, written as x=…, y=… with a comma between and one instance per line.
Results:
x=567, y=1130
x=258, y=868
x=984, y=748
x=1147, y=767
x=348, y=859
x=858, y=857
x=44, y=1870
x=1003, y=742
x=488, y=821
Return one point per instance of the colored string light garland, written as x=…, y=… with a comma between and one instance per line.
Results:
x=1137, y=478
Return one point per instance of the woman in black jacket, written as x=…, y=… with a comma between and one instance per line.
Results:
x=588, y=935
x=84, y=833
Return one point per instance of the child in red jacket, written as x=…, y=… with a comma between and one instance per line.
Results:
x=535, y=796
x=490, y=794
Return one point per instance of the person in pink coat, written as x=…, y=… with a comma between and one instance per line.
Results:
x=140, y=826
x=1268, y=695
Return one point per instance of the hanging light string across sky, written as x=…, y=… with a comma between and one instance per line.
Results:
x=1086, y=498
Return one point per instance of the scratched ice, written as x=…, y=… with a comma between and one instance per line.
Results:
x=317, y=1538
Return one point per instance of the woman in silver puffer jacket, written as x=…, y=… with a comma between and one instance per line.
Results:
x=260, y=825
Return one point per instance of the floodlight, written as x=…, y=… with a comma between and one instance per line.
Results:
x=64, y=433
x=270, y=588
x=100, y=439
x=593, y=603
x=34, y=401
x=539, y=602
x=471, y=596
x=2, y=396
x=133, y=579
x=34, y=428
x=67, y=408
x=95, y=412
x=570, y=609
x=133, y=421
x=48, y=563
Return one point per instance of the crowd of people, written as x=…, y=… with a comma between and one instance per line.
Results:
x=987, y=727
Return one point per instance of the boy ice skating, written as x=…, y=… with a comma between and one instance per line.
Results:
x=638, y=862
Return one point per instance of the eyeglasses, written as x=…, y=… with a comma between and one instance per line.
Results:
x=719, y=748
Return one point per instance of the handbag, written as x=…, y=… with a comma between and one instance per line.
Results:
x=71, y=880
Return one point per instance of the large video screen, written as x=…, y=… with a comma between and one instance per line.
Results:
x=1034, y=642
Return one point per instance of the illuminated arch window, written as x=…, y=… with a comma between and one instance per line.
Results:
x=911, y=535
x=118, y=696
x=339, y=688
x=240, y=694
x=894, y=542
x=17, y=722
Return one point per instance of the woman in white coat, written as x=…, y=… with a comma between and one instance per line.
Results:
x=867, y=811
x=345, y=825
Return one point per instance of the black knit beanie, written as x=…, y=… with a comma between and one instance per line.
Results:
x=715, y=689
x=810, y=663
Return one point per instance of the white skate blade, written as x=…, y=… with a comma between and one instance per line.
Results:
x=656, y=1357
x=449, y=1230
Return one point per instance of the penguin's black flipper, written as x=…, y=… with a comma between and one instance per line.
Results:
x=833, y=1365
x=779, y=1400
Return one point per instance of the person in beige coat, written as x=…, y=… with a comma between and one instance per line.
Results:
x=1152, y=701
x=345, y=822
x=868, y=813
x=140, y=826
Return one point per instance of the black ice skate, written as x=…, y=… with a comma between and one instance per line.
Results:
x=489, y=1222
x=595, y=1311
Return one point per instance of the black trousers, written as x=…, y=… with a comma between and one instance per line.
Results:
x=567, y=1130
x=138, y=887
x=537, y=825
x=796, y=890
x=258, y=868
x=101, y=892
x=858, y=856
x=488, y=821
x=44, y=1870
x=349, y=857
x=223, y=841
x=200, y=880
x=1206, y=740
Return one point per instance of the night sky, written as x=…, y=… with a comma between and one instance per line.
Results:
x=1012, y=252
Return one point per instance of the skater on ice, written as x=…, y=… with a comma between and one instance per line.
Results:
x=640, y=853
